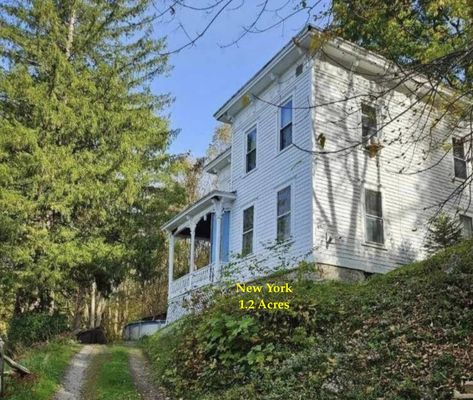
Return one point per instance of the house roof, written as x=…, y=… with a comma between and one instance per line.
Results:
x=258, y=82
x=219, y=162
x=355, y=57
x=197, y=208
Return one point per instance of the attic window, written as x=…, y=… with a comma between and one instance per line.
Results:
x=299, y=69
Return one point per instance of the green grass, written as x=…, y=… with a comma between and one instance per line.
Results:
x=47, y=363
x=406, y=335
x=109, y=378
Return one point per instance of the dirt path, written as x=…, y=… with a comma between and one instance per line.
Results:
x=75, y=375
x=142, y=376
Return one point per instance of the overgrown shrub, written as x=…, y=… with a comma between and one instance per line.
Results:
x=33, y=327
x=405, y=335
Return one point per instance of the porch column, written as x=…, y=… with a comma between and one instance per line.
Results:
x=218, y=236
x=171, y=262
x=192, y=226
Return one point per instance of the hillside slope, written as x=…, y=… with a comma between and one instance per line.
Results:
x=404, y=335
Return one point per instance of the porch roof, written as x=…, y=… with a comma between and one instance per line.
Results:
x=197, y=208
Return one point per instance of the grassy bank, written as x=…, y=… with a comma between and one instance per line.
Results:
x=47, y=363
x=404, y=335
x=108, y=376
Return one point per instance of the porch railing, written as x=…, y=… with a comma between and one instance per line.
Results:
x=194, y=280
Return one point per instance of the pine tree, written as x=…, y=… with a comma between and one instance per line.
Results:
x=443, y=231
x=81, y=144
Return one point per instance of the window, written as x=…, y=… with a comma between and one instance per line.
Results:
x=251, y=150
x=369, y=125
x=374, y=217
x=467, y=226
x=285, y=130
x=284, y=214
x=299, y=69
x=248, y=223
x=459, y=158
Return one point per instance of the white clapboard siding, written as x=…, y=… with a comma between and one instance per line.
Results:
x=275, y=169
x=339, y=181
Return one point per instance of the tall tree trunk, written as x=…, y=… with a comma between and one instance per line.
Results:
x=77, y=323
x=93, y=293
x=70, y=33
x=101, y=304
x=115, y=319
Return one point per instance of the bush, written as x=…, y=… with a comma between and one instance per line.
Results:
x=402, y=335
x=33, y=327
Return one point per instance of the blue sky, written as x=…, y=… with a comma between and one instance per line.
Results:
x=206, y=75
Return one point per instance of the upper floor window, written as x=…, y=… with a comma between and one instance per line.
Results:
x=284, y=214
x=251, y=150
x=369, y=124
x=459, y=158
x=374, y=217
x=285, y=128
x=248, y=228
x=466, y=225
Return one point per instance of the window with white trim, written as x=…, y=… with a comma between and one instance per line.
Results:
x=374, y=217
x=466, y=226
x=284, y=214
x=251, y=150
x=459, y=158
x=248, y=229
x=369, y=123
x=285, y=127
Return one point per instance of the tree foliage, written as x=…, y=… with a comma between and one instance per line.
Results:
x=435, y=36
x=85, y=176
x=443, y=231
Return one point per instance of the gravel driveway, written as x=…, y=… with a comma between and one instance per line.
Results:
x=142, y=376
x=75, y=375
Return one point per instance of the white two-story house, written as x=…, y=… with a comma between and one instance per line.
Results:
x=329, y=153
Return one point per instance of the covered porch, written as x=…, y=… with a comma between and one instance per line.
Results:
x=206, y=221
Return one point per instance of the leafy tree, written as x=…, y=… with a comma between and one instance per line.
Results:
x=84, y=168
x=443, y=231
x=221, y=140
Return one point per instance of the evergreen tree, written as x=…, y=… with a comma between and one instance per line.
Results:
x=443, y=231
x=83, y=149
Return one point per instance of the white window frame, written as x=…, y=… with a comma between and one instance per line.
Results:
x=465, y=158
x=252, y=230
x=375, y=107
x=280, y=127
x=366, y=216
x=245, y=163
x=290, y=212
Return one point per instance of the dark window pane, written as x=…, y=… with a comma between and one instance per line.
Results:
x=251, y=141
x=286, y=137
x=368, y=121
x=467, y=226
x=460, y=168
x=374, y=230
x=247, y=247
x=248, y=219
x=373, y=203
x=286, y=114
x=284, y=227
x=284, y=201
x=458, y=148
x=251, y=161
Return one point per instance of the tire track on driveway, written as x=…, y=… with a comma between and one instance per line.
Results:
x=74, y=379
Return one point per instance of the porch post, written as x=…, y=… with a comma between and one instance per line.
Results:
x=192, y=227
x=218, y=236
x=171, y=262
